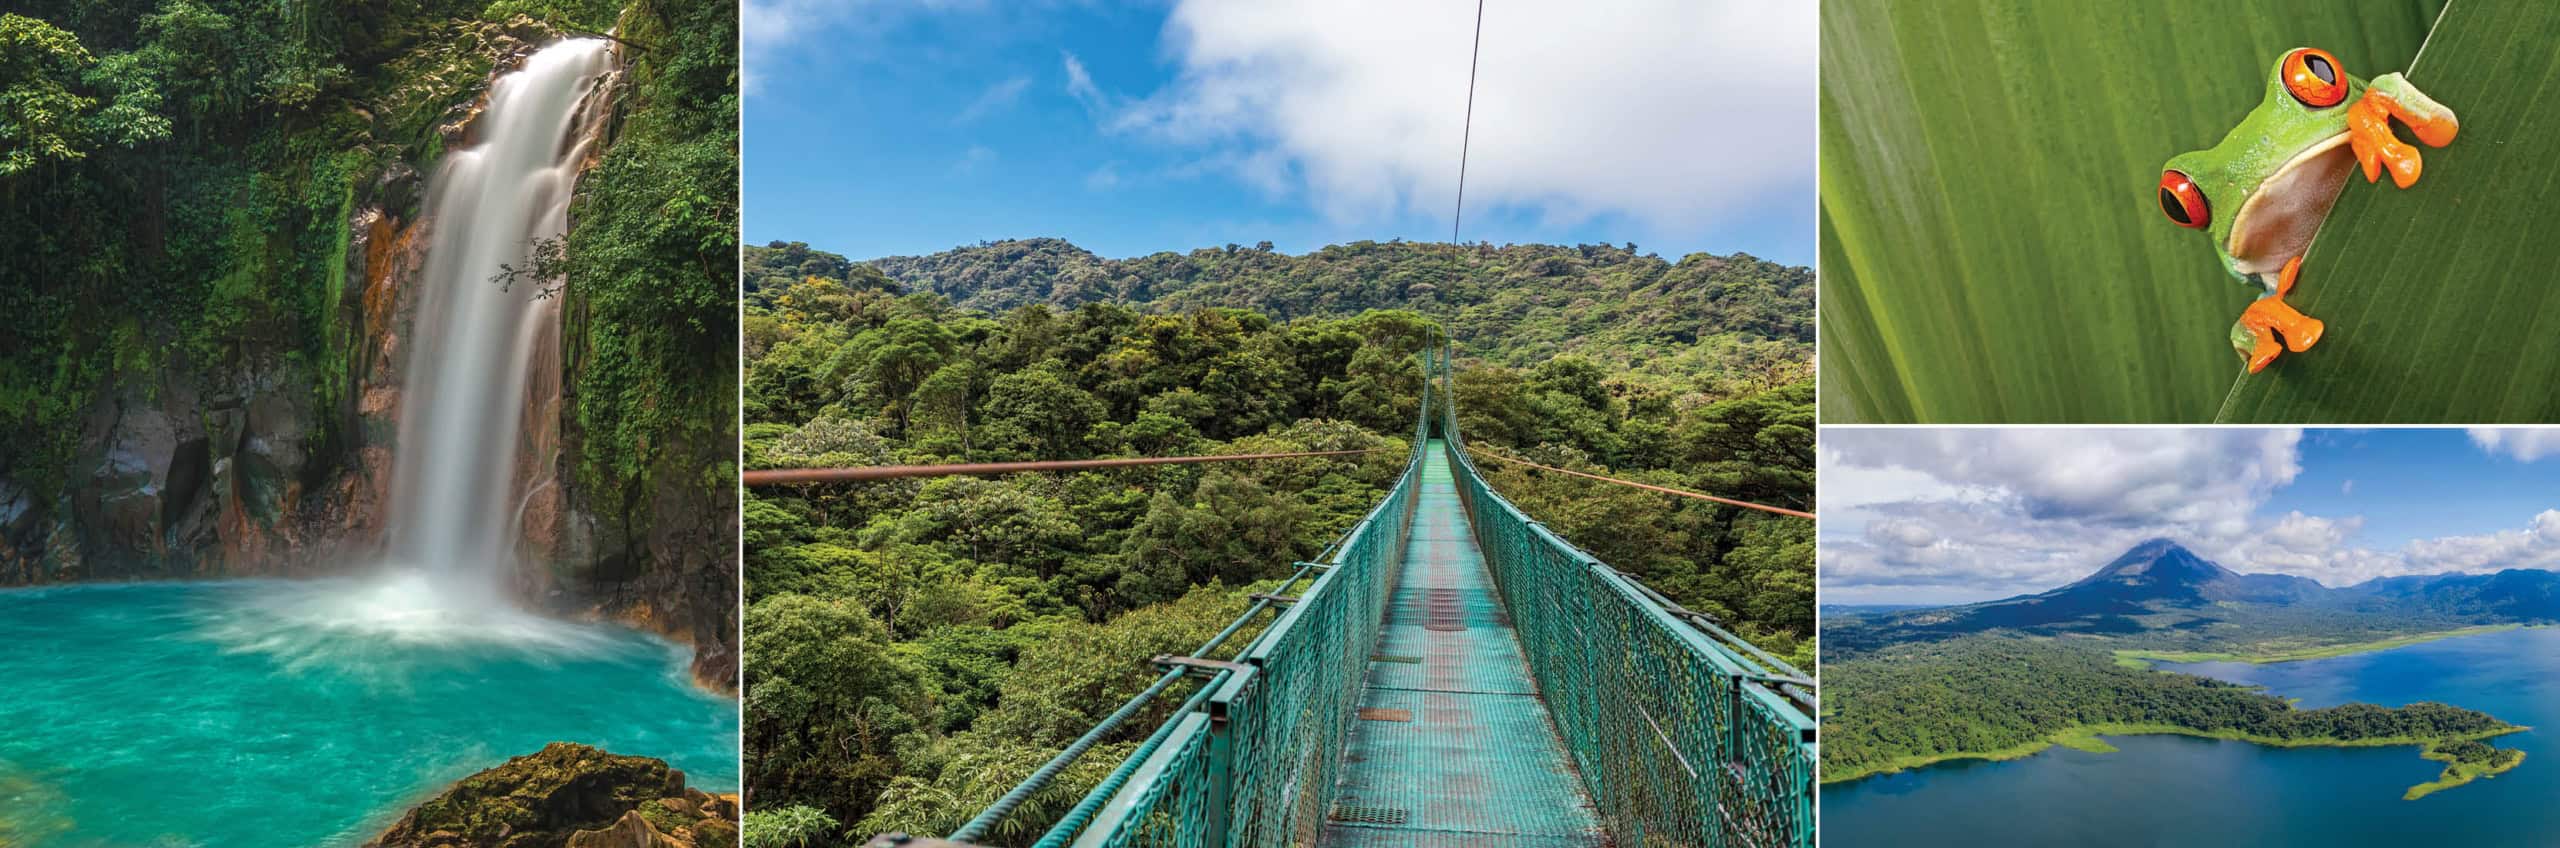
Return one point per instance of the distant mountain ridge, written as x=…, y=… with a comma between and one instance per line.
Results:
x=2161, y=569
x=2161, y=585
x=1523, y=303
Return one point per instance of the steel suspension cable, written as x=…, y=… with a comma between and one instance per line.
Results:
x=1647, y=486
x=1467, y=132
x=777, y=476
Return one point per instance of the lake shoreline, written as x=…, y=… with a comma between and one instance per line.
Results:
x=2144, y=658
x=2457, y=773
x=2086, y=738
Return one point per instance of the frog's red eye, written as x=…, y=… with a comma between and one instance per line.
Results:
x=2314, y=77
x=2182, y=201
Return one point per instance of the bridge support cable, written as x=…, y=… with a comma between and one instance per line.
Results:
x=780, y=476
x=1792, y=513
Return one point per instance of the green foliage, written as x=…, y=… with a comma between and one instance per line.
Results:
x=1739, y=318
x=45, y=116
x=771, y=270
x=826, y=698
x=649, y=264
x=787, y=827
x=1991, y=248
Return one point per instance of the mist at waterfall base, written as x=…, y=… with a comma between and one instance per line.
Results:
x=299, y=713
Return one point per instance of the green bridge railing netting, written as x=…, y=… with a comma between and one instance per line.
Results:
x=1683, y=735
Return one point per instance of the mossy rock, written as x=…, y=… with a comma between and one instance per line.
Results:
x=569, y=794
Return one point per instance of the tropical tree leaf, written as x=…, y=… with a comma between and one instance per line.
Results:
x=2443, y=301
x=1992, y=250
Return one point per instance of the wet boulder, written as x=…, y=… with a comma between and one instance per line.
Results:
x=569, y=795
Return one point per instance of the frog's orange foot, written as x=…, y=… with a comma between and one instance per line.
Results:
x=2369, y=133
x=2265, y=319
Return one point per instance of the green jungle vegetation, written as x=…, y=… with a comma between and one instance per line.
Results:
x=2298, y=648
x=2465, y=760
x=2251, y=632
x=915, y=648
x=1746, y=321
x=1998, y=696
x=176, y=178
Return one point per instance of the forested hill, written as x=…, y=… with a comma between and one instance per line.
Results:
x=1518, y=304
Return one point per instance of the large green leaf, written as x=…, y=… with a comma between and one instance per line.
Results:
x=2443, y=302
x=1992, y=250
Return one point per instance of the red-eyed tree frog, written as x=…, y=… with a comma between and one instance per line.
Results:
x=2263, y=192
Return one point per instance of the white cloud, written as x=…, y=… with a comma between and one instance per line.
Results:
x=975, y=159
x=1945, y=515
x=2536, y=545
x=1675, y=113
x=1080, y=85
x=2523, y=444
x=996, y=98
x=2119, y=477
x=1103, y=178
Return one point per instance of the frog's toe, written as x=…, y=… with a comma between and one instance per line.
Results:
x=2255, y=335
x=2256, y=344
x=2369, y=131
x=2262, y=352
x=2304, y=333
x=2369, y=134
x=2434, y=124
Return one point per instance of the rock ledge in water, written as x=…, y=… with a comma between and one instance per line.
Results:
x=570, y=796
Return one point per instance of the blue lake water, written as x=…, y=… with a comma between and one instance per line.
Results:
x=272, y=713
x=2180, y=791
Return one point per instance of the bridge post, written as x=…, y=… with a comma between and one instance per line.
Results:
x=1221, y=782
x=1219, y=807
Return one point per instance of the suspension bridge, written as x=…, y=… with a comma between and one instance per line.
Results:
x=1449, y=672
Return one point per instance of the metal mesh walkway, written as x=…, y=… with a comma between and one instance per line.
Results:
x=1452, y=745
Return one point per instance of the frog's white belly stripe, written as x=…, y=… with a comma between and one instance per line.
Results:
x=2278, y=220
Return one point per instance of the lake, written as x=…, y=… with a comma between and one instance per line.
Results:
x=2181, y=791
x=274, y=713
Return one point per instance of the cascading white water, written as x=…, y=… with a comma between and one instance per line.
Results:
x=472, y=352
x=452, y=519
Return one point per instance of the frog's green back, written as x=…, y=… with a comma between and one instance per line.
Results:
x=2279, y=128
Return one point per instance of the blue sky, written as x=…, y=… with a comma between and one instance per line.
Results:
x=910, y=126
x=1923, y=515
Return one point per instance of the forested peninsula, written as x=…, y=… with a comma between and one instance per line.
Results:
x=2003, y=697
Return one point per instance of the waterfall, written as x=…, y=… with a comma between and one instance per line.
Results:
x=473, y=344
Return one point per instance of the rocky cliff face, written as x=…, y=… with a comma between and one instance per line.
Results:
x=240, y=470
